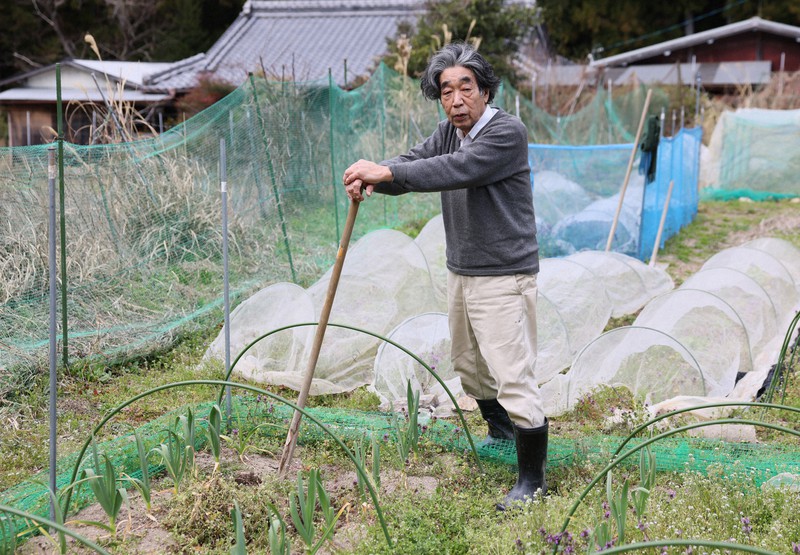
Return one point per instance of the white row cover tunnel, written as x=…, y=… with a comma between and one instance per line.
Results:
x=395, y=286
x=716, y=336
x=725, y=321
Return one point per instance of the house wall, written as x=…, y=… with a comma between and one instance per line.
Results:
x=77, y=124
x=752, y=46
x=41, y=118
x=71, y=78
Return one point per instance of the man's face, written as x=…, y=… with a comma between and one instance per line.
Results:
x=463, y=103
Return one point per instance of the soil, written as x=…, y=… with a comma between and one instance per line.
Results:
x=146, y=534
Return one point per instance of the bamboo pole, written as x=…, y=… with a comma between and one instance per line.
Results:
x=291, y=437
x=664, y=212
x=628, y=171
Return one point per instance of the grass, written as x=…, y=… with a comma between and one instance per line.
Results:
x=438, y=501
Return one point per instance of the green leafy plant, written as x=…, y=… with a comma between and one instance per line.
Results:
x=8, y=536
x=186, y=424
x=408, y=434
x=360, y=452
x=239, y=548
x=279, y=543
x=302, y=507
x=213, y=433
x=240, y=441
x=618, y=503
x=601, y=537
x=103, y=483
x=176, y=456
x=142, y=484
x=647, y=479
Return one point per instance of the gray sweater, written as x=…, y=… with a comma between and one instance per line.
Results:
x=487, y=202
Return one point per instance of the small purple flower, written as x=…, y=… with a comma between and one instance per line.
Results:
x=385, y=437
x=671, y=493
x=553, y=538
x=235, y=432
x=542, y=531
x=689, y=550
x=664, y=550
x=519, y=545
x=746, y=528
x=585, y=533
x=796, y=548
x=607, y=515
x=642, y=526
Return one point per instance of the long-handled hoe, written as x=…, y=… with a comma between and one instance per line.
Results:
x=291, y=437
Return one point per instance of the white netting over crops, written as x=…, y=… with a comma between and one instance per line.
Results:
x=716, y=336
x=276, y=306
x=581, y=304
x=587, y=228
x=787, y=253
x=649, y=362
x=709, y=328
x=384, y=281
x=431, y=242
x=629, y=282
x=428, y=337
x=747, y=298
x=767, y=270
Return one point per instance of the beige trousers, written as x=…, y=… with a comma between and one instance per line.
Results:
x=493, y=341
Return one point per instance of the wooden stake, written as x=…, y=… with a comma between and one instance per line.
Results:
x=661, y=224
x=628, y=171
x=291, y=437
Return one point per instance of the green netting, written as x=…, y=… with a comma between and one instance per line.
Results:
x=603, y=120
x=753, y=153
x=143, y=224
x=760, y=461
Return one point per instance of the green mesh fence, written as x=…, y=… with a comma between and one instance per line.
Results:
x=754, y=153
x=759, y=461
x=143, y=224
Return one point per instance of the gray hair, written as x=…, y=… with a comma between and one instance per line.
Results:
x=458, y=54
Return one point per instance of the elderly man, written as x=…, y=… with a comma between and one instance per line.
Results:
x=478, y=160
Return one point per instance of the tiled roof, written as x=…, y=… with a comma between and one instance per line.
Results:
x=297, y=39
x=739, y=27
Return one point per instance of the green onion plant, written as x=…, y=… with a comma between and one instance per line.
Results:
x=176, y=456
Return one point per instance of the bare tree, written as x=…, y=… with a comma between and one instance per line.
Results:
x=138, y=26
x=47, y=10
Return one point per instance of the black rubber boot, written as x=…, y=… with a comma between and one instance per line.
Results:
x=500, y=426
x=532, y=461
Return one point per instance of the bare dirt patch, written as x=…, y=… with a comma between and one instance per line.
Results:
x=140, y=532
